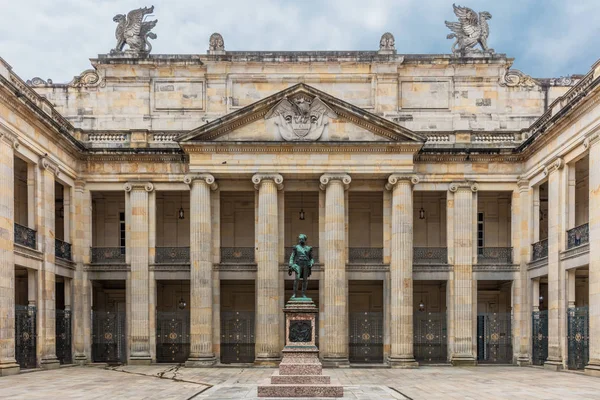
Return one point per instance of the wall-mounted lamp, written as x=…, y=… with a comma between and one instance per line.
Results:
x=301, y=214
x=181, y=213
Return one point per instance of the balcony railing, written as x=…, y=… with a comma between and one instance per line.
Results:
x=578, y=236
x=540, y=250
x=108, y=255
x=237, y=255
x=365, y=255
x=172, y=255
x=62, y=249
x=430, y=255
x=24, y=236
x=315, y=254
x=494, y=255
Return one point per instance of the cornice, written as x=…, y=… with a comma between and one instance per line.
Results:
x=207, y=179
x=259, y=179
x=298, y=147
x=326, y=179
x=394, y=179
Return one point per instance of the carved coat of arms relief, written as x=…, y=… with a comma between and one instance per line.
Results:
x=301, y=118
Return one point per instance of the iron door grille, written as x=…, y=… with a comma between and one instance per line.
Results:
x=108, y=338
x=494, y=338
x=578, y=337
x=63, y=336
x=366, y=337
x=539, y=337
x=237, y=337
x=173, y=336
x=25, y=336
x=430, y=337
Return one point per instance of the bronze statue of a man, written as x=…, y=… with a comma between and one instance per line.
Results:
x=301, y=262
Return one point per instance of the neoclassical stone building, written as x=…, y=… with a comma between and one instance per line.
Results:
x=149, y=207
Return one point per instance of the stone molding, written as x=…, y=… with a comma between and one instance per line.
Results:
x=575, y=252
x=258, y=179
x=325, y=179
x=522, y=184
x=394, y=179
x=554, y=165
x=147, y=186
x=591, y=140
x=8, y=136
x=79, y=185
x=49, y=165
x=206, y=178
x=466, y=185
x=515, y=78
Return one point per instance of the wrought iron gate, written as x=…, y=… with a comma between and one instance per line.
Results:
x=108, y=338
x=430, y=337
x=237, y=337
x=494, y=338
x=63, y=336
x=366, y=337
x=539, y=337
x=578, y=337
x=173, y=336
x=25, y=336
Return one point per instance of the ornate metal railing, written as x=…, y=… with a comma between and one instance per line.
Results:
x=540, y=250
x=494, y=255
x=172, y=255
x=578, y=236
x=315, y=254
x=578, y=337
x=62, y=249
x=108, y=255
x=237, y=254
x=365, y=254
x=24, y=236
x=430, y=255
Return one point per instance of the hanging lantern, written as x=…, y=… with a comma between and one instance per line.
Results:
x=182, y=304
x=302, y=216
x=422, y=213
x=181, y=213
x=421, y=306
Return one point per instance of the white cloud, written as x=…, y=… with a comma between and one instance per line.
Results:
x=55, y=38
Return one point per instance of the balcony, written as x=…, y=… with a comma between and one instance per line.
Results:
x=172, y=255
x=539, y=250
x=315, y=254
x=430, y=255
x=25, y=236
x=494, y=255
x=578, y=236
x=62, y=249
x=369, y=255
x=237, y=255
x=108, y=255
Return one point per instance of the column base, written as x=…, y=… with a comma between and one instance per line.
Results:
x=140, y=360
x=335, y=362
x=523, y=360
x=10, y=368
x=593, y=368
x=80, y=359
x=50, y=363
x=463, y=361
x=267, y=362
x=403, y=362
x=553, y=365
x=200, y=362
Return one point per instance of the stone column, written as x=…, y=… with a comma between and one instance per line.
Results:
x=139, y=329
x=401, y=280
x=81, y=253
x=463, y=352
x=47, y=305
x=521, y=210
x=8, y=364
x=201, y=271
x=268, y=343
x=334, y=346
x=593, y=144
x=555, y=272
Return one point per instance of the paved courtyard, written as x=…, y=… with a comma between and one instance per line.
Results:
x=171, y=382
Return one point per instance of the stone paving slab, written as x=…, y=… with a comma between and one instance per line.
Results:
x=173, y=382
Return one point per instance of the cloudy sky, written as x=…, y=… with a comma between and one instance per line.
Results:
x=55, y=38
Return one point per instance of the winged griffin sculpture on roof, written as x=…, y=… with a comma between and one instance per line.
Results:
x=301, y=117
x=134, y=31
x=470, y=30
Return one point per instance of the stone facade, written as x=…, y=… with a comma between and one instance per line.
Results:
x=441, y=185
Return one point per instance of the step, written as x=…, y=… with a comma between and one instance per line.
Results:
x=277, y=379
x=300, y=369
x=299, y=390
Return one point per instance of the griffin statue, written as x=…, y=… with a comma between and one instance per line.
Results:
x=471, y=29
x=134, y=31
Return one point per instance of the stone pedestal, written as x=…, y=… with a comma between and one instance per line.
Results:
x=300, y=371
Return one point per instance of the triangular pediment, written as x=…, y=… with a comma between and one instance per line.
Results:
x=303, y=114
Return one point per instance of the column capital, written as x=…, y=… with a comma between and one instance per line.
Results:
x=48, y=165
x=522, y=184
x=257, y=179
x=394, y=179
x=553, y=165
x=591, y=140
x=79, y=185
x=147, y=186
x=465, y=185
x=327, y=178
x=208, y=179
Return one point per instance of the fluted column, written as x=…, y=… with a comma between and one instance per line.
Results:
x=47, y=306
x=463, y=352
x=139, y=327
x=81, y=253
x=8, y=364
x=334, y=346
x=593, y=144
x=401, y=263
x=268, y=343
x=201, y=279
x=556, y=306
